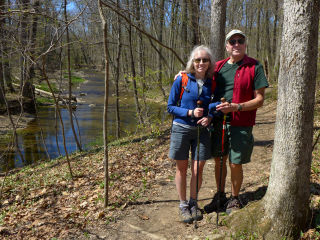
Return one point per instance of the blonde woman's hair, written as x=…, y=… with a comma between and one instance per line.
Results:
x=190, y=67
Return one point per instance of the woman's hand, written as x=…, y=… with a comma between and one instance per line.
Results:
x=198, y=112
x=205, y=121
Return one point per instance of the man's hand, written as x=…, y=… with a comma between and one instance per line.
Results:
x=226, y=107
x=179, y=74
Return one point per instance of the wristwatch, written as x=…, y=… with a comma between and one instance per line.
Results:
x=239, y=107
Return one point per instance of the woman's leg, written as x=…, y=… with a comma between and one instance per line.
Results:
x=193, y=181
x=181, y=178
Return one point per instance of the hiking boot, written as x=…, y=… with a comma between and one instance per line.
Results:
x=196, y=213
x=233, y=204
x=185, y=215
x=213, y=205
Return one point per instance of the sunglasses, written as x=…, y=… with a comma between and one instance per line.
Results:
x=234, y=41
x=198, y=60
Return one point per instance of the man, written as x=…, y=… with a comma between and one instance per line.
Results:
x=241, y=81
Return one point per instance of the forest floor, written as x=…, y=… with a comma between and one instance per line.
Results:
x=43, y=202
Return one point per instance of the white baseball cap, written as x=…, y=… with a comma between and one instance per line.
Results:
x=234, y=32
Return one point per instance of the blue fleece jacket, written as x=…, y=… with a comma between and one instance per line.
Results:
x=188, y=100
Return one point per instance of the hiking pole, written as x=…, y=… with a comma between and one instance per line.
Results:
x=221, y=161
x=199, y=103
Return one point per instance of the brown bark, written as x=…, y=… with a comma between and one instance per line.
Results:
x=218, y=19
x=287, y=198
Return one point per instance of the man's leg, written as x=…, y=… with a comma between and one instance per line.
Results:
x=236, y=178
x=215, y=204
x=217, y=173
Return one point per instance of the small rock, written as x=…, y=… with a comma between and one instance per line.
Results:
x=92, y=105
x=149, y=140
x=84, y=204
x=83, y=94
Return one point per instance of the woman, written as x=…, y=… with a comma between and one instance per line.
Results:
x=184, y=128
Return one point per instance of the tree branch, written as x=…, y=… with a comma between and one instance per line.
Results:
x=117, y=11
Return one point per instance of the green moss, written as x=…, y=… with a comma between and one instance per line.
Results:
x=42, y=100
x=249, y=223
x=44, y=86
x=75, y=79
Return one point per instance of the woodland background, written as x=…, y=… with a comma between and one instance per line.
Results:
x=44, y=43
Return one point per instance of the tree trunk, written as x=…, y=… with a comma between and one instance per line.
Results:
x=195, y=4
x=105, y=109
x=284, y=211
x=267, y=31
x=287, y=198
x=69, y=78
x=184, y=30
x=218, y=25
x=275, y=22
x=2, y=22
x=133, y=71
x=117, y=75
x=160, y=38
x=23, y=41
x=172, y=35
x=258, y=29
x=36, y=6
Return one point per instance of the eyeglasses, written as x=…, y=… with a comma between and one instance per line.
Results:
x=198, y=60
x=234, y=41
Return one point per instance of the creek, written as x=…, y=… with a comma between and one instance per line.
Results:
x=89, y=116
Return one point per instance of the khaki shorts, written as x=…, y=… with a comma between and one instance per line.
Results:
x=238, y=142
x=183, y=140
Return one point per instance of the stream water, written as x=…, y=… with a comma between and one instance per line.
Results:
x=89, y=114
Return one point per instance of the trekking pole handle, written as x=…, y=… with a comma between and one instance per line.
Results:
x=223, y=100
x=199, y=103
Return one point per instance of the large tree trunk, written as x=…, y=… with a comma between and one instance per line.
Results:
x=287, y=198
x=284, y=210
x=218, y=25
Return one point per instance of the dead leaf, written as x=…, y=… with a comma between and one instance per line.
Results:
x=84, y=204
x=143, y=217
x=101, y=214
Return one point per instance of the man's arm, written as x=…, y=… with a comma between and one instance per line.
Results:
x=255, y=103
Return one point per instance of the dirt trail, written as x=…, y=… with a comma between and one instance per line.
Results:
x=156, y=215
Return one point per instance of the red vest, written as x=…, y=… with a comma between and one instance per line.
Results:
x=243, y=90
